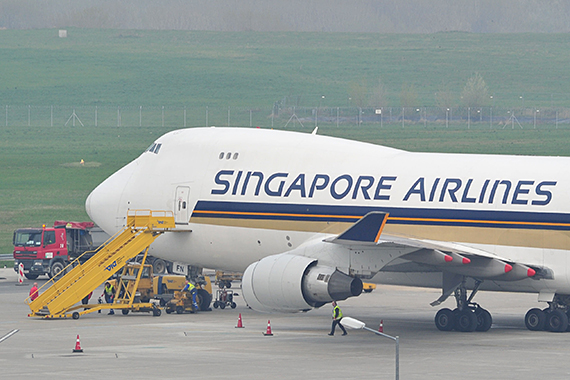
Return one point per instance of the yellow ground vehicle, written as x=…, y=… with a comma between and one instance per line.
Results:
x=368, y=287
x=160, y=289
x=224, y=279
x=59, y=297
x=181, y=302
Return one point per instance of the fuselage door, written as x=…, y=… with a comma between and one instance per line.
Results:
x=181, y=205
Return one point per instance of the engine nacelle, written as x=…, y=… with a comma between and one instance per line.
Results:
x=292, y=283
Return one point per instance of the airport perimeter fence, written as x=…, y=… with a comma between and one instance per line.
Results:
x=284, y=117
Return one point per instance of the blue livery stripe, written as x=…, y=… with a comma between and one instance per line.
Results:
x=398, y=215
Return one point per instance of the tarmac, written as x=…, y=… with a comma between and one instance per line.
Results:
x=208, y=345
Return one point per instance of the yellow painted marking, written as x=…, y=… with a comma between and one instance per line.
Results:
x=391, y=218
x=381, y=228
x=480, y=221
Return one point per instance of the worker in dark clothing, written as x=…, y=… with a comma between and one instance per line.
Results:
x=86, y=299
x=109, y=293
x=189, y=287
x=337, y=317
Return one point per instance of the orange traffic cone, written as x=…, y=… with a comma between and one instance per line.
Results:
x=268, y=332
x=77, y=345
x=240, y=324
x=381, y=328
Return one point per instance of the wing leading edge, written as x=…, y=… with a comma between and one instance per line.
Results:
x=432, y=255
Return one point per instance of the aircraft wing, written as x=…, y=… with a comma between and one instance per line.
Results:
x=417, y=255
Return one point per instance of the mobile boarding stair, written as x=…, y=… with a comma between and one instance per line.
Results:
x=60, y=297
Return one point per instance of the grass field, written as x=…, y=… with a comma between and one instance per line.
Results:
x=254, y=69
x=41, y=180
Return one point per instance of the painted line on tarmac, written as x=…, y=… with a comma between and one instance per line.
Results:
x=8, y=335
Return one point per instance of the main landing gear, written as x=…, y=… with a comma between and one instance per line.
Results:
x=468, y=316
x=554, y=318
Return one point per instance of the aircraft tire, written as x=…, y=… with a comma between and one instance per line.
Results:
x=535, y=319
x=204, y=299
x=484, y=320
x=159, y=266
x=466, y=321
x=445, y=320
x=557, y=321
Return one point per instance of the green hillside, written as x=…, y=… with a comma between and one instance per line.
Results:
x=255, y=69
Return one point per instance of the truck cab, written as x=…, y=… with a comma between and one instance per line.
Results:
x=48, y=250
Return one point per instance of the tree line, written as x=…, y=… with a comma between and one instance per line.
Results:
x=374, y=16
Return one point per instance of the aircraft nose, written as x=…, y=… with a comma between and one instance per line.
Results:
x=106, y=205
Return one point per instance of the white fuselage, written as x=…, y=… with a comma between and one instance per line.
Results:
x=249, y=193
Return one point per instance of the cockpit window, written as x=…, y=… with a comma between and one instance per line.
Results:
x=154, y=148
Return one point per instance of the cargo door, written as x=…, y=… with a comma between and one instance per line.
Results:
x=181, y=205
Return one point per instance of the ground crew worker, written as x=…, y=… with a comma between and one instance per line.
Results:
x=109, y=293
x=34, y=292
x=189, y=287
x=337, y=316
x=85, y=299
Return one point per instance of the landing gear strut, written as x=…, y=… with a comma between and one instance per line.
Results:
x=554, y=318
x=468, y=316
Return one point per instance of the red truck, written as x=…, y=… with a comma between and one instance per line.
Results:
x=48, y=250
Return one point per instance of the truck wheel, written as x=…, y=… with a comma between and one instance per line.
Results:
x=56, y=269
x=204, y=299
x=31, y=276
x=159, y=266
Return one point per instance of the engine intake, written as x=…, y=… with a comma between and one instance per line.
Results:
x=292, y=283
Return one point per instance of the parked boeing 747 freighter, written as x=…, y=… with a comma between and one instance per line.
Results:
x=308, y=217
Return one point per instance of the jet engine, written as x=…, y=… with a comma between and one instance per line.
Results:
x=292, y=283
